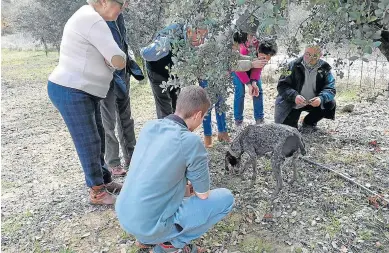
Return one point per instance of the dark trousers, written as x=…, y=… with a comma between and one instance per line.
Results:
x=81, y=113
x=116, y=111
x=165, y=101
x=315, y=114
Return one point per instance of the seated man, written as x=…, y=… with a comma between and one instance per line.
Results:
x=307, y=86
x=166, y=199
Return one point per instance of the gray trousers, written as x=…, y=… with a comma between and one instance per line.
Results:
x=165, y=102
x=116, y=111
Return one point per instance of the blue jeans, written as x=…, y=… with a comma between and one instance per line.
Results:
x=220, y=116
x=195, y=217
x=81, y=113
x=239, y=100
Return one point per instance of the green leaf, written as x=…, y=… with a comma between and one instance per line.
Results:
x=353, y=58
x=368, y=50
x=355, y=15
x=376, y=44
x=372, y=18
x=377, y=35
x=359, y=42
x=241, y=2
x=282, y=22
x=378, y=12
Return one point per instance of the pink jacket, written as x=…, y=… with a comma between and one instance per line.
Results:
x=255, y=74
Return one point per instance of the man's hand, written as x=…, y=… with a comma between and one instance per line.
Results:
x=189, y=190
x=258, y=63
x=315, y=102
x=300, y=100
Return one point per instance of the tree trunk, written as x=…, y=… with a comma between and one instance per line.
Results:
x=384, y=48
x=45, y=45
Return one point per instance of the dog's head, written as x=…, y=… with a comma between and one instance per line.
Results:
x=231, y=159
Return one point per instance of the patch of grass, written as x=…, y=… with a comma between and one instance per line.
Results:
x=66, y=250
x=230, y=224
x=348, y=94
x=255, y=245
x=337, y=156
x=333, y=227
x=27, y=65
x=10, y=226
x=7, y=184
x=365, y=235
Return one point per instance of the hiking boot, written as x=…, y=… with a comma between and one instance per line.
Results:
x=99, y=195
x=113, y=187
x=208, y=141
x=260, y=121
x=118, y=171
x=223, y=137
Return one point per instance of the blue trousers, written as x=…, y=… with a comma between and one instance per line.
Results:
x=195, y=217
x=239, y=96
x=81, y=113
x=220, y=116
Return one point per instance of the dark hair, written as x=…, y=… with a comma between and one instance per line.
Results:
x=268, y=47
x=240, y=37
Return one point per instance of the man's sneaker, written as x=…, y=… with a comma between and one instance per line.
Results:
x=168, y=248
x=113, y=187
x=260, y=121
x=118, y=171
x=99, y=195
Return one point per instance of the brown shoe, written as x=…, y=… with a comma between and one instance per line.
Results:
x=113, y=187
x=118, y=171
x=208, y=141
x=223, y=137
x=99, y=195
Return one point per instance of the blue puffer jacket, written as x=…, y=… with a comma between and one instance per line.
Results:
x=118, y=31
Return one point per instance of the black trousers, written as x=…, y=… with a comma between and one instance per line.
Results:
x=315, y=114
x=165, y=102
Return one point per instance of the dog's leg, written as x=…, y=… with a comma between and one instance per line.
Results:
x=294, y=165
x=245, y=166
x=276, y=161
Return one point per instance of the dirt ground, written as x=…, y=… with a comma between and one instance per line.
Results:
x=44, y=200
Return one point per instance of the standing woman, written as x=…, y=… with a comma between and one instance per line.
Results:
x=88, y=57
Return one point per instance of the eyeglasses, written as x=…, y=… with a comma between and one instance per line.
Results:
x=312, y=56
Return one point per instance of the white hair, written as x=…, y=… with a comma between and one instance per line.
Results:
x=92, y=1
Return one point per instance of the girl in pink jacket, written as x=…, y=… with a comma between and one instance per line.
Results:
x=249, y=45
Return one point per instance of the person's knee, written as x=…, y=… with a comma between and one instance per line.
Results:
x=330, y=105
x=226, y=197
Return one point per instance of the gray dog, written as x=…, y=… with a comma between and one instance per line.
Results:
x=257, y=140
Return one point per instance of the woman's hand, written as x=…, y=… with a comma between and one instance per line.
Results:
x=258, y=63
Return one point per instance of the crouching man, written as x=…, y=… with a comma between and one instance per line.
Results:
x=307, y=86
x=166, y=201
